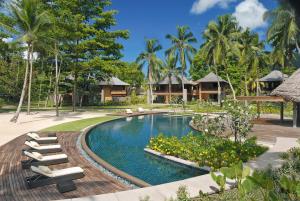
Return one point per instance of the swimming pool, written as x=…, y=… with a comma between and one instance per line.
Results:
x=121, y=143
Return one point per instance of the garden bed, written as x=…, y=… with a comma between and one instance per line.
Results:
x=205, y=150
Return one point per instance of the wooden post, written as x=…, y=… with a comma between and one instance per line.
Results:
x=258, y=109
x=295, y=115
x=200, y=92
x=281, y=112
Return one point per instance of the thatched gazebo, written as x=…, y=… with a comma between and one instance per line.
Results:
x=290, y=91
x=272, y=80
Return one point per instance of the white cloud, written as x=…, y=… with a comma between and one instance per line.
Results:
x=7, y=40
x=249, y=13
x=200, y=6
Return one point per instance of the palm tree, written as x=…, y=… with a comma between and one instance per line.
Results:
x=251, y=57
x=170, y=69
x=219, y=41
x=283, y=33
x=181, y=44
x=29, y=22
x=153, y=62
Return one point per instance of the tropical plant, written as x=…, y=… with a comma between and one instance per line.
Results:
x=239, y=119
x=219, y=42
x=283, y=33
x=209, y=124
x=154, y=64
x=251, y=57
x=206, y=150
x=170, y=70
x=30, y=21
x=181, y=45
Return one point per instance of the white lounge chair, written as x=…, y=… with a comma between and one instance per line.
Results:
x=37, y=159
x=34, y=146
x=63, y=178
x=129, y=111
x=36, y=137
x=141, y=110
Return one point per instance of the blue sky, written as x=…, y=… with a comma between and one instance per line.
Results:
x=156, y=18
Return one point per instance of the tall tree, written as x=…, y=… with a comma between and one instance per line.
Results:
x=170, y=70
x=181, y=44
x=88, y=39
x=148, y=57
x=251, y=57
x=219, y=42
x=283, y=33
x=29, y=22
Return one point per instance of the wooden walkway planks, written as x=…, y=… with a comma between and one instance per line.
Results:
x=12, y=186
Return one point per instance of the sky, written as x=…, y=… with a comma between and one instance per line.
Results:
x=147, y=19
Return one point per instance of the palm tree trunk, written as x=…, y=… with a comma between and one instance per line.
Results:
x=182, y=73
x=30, y=79
x=56, y=81
x=170, y=89
x=16, y=116
x=231, y=87
x=150, y=84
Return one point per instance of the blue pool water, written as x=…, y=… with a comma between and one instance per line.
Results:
x=121, y=143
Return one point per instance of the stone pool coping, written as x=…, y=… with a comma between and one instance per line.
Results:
x=134, y=180
x=176, y=160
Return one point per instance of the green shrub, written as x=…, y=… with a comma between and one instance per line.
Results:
x=134, y=99
x=209, y=151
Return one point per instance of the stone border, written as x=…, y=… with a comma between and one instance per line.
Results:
x=106, y=165
x=177, y=160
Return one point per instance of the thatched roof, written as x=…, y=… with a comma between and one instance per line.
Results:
x=211, y=78
x=174, y=80
x=274, y=76
x=290, y=88
x=113, y=81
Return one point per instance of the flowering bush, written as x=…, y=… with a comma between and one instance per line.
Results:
x=206, y=150
x=239, y=117
x=209, y=125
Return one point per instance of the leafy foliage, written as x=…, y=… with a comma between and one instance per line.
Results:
x=208, y=151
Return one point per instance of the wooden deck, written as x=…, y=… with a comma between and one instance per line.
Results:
x=12, y=186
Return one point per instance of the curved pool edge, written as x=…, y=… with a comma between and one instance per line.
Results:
x=136, y=181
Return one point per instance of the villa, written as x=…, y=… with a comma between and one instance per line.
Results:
x=207, y=87
x=162, y=91
x=113, y=89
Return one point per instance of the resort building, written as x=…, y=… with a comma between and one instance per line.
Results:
x=113, y=89
x=290, y=91
x=271, y=81
x=206, y=89
x=172, y=85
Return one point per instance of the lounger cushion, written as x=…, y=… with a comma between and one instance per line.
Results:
x=34, y=144
x=37, y=155
x=45, y=169
x=33, y=135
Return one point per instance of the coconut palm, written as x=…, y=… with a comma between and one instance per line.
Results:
x=150, y=58
x=283, y=33
x=181, y=45
x=251, y=57
x=219, y=41
x=170, y=69
x=29, y=22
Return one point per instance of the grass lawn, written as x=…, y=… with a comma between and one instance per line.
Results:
x=79, y=124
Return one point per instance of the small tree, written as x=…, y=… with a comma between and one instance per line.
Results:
x=239, y=119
